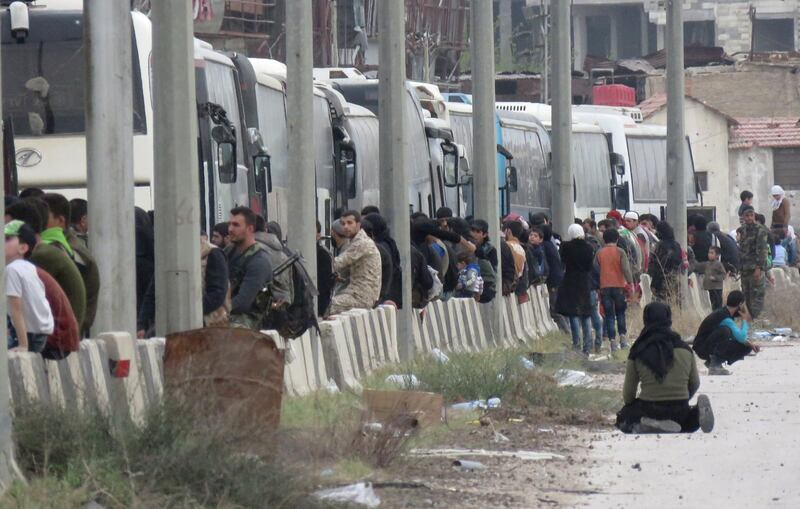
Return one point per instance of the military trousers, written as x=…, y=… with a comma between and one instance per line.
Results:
x=754, y=291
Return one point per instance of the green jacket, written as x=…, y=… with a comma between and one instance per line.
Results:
x=680, y=383
x=753, y=247
x=89, y=273
x=57, y=263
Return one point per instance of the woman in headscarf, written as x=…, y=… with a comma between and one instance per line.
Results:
x=573, y=300
x=666, y=263
x=781, y=213
x=664, y=366
x=382, y=237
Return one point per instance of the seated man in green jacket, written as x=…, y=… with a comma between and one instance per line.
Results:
x=664, y=365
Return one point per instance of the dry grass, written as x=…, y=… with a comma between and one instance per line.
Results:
x=782, y=308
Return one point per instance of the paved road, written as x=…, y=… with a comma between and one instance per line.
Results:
x=751, y=459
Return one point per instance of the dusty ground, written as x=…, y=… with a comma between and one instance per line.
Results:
x=505, y=482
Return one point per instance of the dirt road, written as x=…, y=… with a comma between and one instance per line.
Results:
x=751, y=459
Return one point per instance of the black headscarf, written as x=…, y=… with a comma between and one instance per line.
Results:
x=656, y=344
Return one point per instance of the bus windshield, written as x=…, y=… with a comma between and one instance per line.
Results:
x=648, y=158
x=44, y=78
x=592, y=170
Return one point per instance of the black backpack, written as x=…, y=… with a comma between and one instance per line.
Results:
x=301, y=314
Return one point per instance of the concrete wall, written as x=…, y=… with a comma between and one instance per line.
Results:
x=708, y=132
x=751, y=169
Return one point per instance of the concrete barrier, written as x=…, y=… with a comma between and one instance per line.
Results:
x=338, y=359
x=544, y=300
x=646, y=283
x=151, y=365
x=96, y=376
x=27, y=378
x=126, y=385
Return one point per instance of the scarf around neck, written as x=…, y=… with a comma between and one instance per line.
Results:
x=56, y=235
x=656, y=344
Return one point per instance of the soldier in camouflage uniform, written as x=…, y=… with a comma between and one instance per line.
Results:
x=753, y=252
x=361, y=263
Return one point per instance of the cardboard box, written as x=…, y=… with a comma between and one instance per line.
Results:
x=386, y=406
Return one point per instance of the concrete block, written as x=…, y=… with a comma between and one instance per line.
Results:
x=151, y=365
x=128, y=393
x=65, y=382
x=388, y=336
x=93, y=359
x=478, y=332
x=417, y=335
x=27, y=378
x=446, y=325
x=358, y=332
x=647, y=290
x=544, y=304
x=487, y=314
x=294, y=374
x=518, y=334
x=338, y=362
x=315, y=372
x=376, y=336
x=469, y=324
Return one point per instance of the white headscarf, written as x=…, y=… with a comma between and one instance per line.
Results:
x=575, y=231
x=777, y=191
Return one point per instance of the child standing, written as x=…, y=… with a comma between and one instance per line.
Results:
x=538, y=272
x=714, y=277
x=470, y=282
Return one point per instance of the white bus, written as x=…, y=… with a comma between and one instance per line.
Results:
x=593, y=176
x=44, y=87
x=641, y=182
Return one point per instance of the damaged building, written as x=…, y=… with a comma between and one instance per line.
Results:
x=741, y=137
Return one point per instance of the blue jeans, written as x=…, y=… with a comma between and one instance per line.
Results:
x=597, y=320
x=614, y=304
x=576, y=323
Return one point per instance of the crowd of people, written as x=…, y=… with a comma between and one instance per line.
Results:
x=250, y=279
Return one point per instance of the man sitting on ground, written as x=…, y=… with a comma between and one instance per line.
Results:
x=719, y=339
x=665, y=368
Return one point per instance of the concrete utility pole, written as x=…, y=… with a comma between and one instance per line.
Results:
x=563, y=205
x=676, y=137
x=177, y=193
x=394, y=175
x=8, y=466
x=546, y=50
x=301, y=223
x=484, y=137
x=109, y=158
x=506, y=32
x=335, y=33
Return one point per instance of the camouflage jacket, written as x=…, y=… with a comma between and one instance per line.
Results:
x=753, y=246
x=361, y=261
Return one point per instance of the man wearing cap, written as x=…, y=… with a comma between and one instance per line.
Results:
x=628, y=242
x=30, y=317
x=753, y=251
x=631, y=223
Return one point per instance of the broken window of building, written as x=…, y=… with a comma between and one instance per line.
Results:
x=699, y=33
x=773, y=35
x=786, y=164
x=598, y=36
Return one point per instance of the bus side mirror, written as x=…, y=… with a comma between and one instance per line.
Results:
x=262, y=164
x=450, y=163
x=350, y=172
x=618, y=163
x=226, y=153
x=511, y=179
